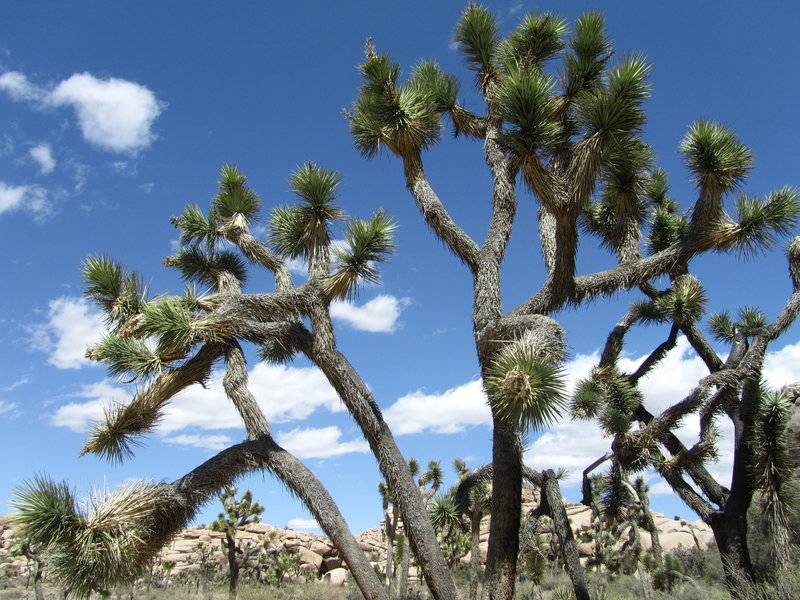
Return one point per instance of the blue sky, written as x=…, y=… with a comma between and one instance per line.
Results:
x=117, y=115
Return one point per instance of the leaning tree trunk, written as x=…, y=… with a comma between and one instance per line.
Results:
x=551, y=496
x=475, y=552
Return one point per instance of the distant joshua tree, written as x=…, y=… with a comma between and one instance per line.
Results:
x=238, y=513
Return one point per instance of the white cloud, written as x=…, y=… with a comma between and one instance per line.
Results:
x=43, y=155
x=31, y=198
x=782, y=367
x=449, y=412
x=379, y=315
x=298, y=524
x=9, y=409
x=113, y=114
x=208, y=442
x=17, y=86
x=319, y=443
x=573, y=445
x=11, y=387
x=284, y=394
x=77, y=416
x=72, y=326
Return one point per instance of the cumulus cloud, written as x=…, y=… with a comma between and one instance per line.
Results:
x=43, y=155
x=451, y=411
x=30, y=198
x=207, y=442
x=573, y=445
x=113, y=114
x=284, y=394
x=19, y=88
x=72, y=326
x=77, y=416
x=321, y=442
x=379, y=315
x=303, y=524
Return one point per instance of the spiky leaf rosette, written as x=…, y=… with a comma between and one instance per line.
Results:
x=276, y=353
x=715, y=156
x=47, y=510
x=590, y=50
x=526, y=98
x=404, y=119
x=367, y=242
x=587, y=399
x=758, y=224
x=303, y=229
x=234, y=197
x=118, y=292
x=773, y=467
x=684, y=303
x=616, y=497
x=536, y=39
x=171, y=324
x=722, y=327
x=116, y=435
x=440, y=88
x=444, y=515
x=207, y=266
x=195, y=228
x=478, y=40
x=525, y=388
x=127, y=358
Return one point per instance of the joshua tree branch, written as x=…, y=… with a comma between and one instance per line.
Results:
x=435, y=214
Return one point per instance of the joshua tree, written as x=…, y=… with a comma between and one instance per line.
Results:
x=168, y=343
x=390, y=517
x=574, y=142
x=238, y=513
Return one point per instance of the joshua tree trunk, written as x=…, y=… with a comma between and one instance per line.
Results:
x=475, y=553
x=551, y=497
x=233, y=566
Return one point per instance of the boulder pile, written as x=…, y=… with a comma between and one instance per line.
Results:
x=319, y=559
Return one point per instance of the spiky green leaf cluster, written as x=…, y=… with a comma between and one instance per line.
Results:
x=406, y=119
x=444, y=515
x=684, y=303
x=536, y=39
x=608, y=396
x=773, y=467
x=478, y=40
x=303, y=229
x=615, y=106
x=118, y=292
x=92, y=550
x=616, y=497
x=715, y=156
x=590, y=50
x=367, y=242
x=758, y=224
x=196, y=228
x=171, y=324
x=234, y=197
x=276, y=353
x=749, y=319
x=201, y=264
x=127, y=357
x=525, y=388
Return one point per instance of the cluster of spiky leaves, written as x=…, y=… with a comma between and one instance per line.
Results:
x=749, y=319
x=526, y=387
x=715, y=156
x=684, y=302
x=773, y=468
x=667, y=225
x=367, y=242
x=237, y=512
x=118, y=292
x=609, y=396
x=94, y=548
x=302, y=229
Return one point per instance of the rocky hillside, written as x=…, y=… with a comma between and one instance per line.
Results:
x=318, y=558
